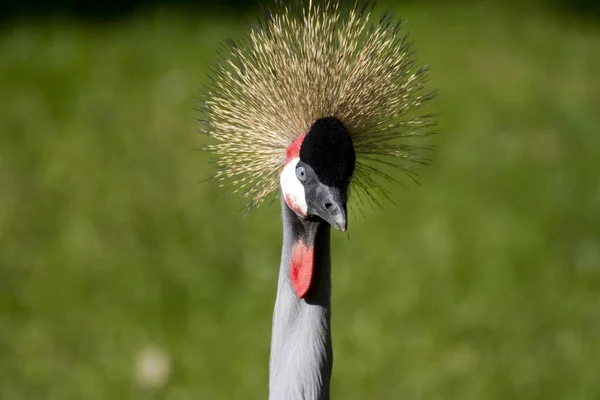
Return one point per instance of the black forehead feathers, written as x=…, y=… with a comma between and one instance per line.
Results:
x=328, y=149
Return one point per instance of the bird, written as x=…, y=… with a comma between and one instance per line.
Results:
x=318, y=98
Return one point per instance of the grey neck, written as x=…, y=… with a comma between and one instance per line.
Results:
x=301, y=353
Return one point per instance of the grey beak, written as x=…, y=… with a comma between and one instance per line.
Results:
x=330, y=205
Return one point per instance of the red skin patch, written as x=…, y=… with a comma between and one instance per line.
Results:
x=291, y=202
x=301, y=268
x=293, y=149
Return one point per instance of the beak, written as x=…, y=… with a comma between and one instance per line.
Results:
x=330, y=205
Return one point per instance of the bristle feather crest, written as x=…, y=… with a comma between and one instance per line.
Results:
x=299, y=65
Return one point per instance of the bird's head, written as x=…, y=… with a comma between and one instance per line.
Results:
x=315, y=180
x=318, y=94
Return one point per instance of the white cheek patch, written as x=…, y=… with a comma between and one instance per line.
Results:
x=292, y=188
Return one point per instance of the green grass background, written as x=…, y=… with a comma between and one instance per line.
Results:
x=482, y=283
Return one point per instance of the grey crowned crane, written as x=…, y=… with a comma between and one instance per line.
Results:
x=316, y=98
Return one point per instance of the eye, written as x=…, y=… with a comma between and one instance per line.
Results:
x=301, y=173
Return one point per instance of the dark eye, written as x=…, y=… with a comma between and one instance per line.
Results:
x=301, y=173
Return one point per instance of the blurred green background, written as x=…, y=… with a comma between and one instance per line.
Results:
x=122, y=277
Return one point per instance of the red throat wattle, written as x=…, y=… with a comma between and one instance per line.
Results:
x=302, y=260
x=302, y=265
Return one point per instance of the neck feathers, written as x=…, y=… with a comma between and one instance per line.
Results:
x=301, y=354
